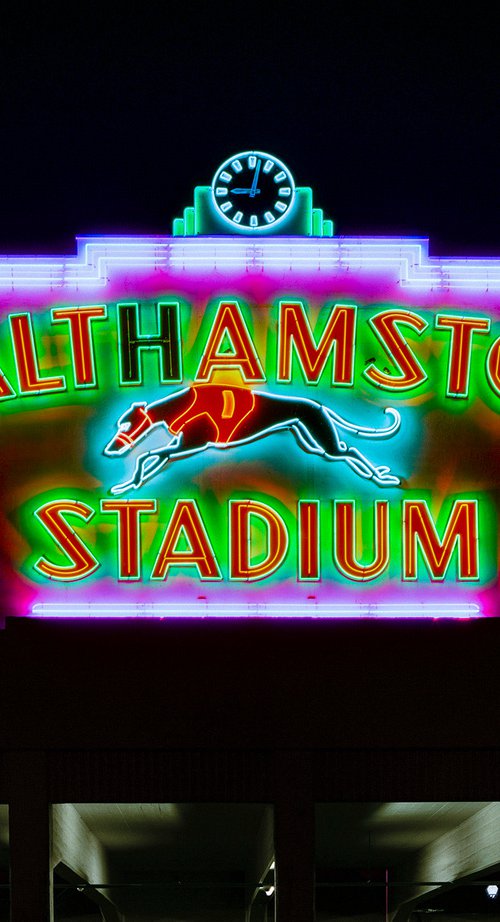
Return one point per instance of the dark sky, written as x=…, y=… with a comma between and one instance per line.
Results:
x=390, y=111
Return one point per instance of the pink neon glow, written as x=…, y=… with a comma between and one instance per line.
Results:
x=256, y=610
x=365, y=267
x=108, y=599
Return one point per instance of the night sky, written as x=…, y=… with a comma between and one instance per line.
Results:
x=390, y=111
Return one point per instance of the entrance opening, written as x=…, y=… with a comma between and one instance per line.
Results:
x=192, y=862
x=404, y=862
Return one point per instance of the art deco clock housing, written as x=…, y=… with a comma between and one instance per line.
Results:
x=253, y=193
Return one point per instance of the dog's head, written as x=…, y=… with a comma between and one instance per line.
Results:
x=131, y=426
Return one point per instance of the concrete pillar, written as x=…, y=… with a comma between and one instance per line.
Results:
x=31, y=896
x=294, y=841
x=258, y=868
x=80, y=857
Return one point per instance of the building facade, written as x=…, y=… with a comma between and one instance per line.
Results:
x=249, y=560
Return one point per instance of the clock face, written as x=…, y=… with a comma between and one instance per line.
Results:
x=253, y=191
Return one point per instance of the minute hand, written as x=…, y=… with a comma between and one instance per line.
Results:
x=254, y=189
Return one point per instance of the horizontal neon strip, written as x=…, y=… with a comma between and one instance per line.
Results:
x=405, y=259
x=243, y=610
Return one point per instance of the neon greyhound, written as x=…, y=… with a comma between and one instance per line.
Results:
x=222, y=416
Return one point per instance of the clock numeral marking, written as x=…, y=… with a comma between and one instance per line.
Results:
x=238, y=216
x=225, y=176
x=268, y=166
x=226, y=206
x=236, y=165
x=220, y=191
x=280, y=176
x=285, y=191
x=269, y=217
x=280, y=206
x=252, y=162
x=254, y=221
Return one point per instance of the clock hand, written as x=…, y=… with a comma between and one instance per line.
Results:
x=244, y=191
x=254, y=189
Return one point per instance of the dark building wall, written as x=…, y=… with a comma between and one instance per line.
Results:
x=370, y=710
x=286, y=713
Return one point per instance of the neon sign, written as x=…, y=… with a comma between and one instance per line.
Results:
x=274, y=427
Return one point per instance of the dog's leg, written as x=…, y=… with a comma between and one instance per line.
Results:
x=362, y=466
x=150, y=463
x=147, y=465
x=318, y=430
x=305, y=439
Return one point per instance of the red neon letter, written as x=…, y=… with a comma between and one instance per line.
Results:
x=462, y=330
x=411, y=373
x=461, y=528
x=345, y=541
x=5, y=389
x=493, y=366
x=186, y=525
x=129, y=532
x=83, y=563
x=294, y=330
x=240, y=538
x=28, y=370
x=309, y=557
x=79, y=319
x=229, y=328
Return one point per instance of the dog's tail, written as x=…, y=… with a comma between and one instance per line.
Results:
x=367, y=431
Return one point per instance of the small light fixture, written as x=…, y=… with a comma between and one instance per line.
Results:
x=270, y=890
x=492, y=891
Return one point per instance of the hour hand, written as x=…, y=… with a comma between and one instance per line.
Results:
x=245, y=191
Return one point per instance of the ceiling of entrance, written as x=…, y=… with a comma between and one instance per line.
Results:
x=380, y=834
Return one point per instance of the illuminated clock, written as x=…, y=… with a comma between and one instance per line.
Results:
x=253, y=191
